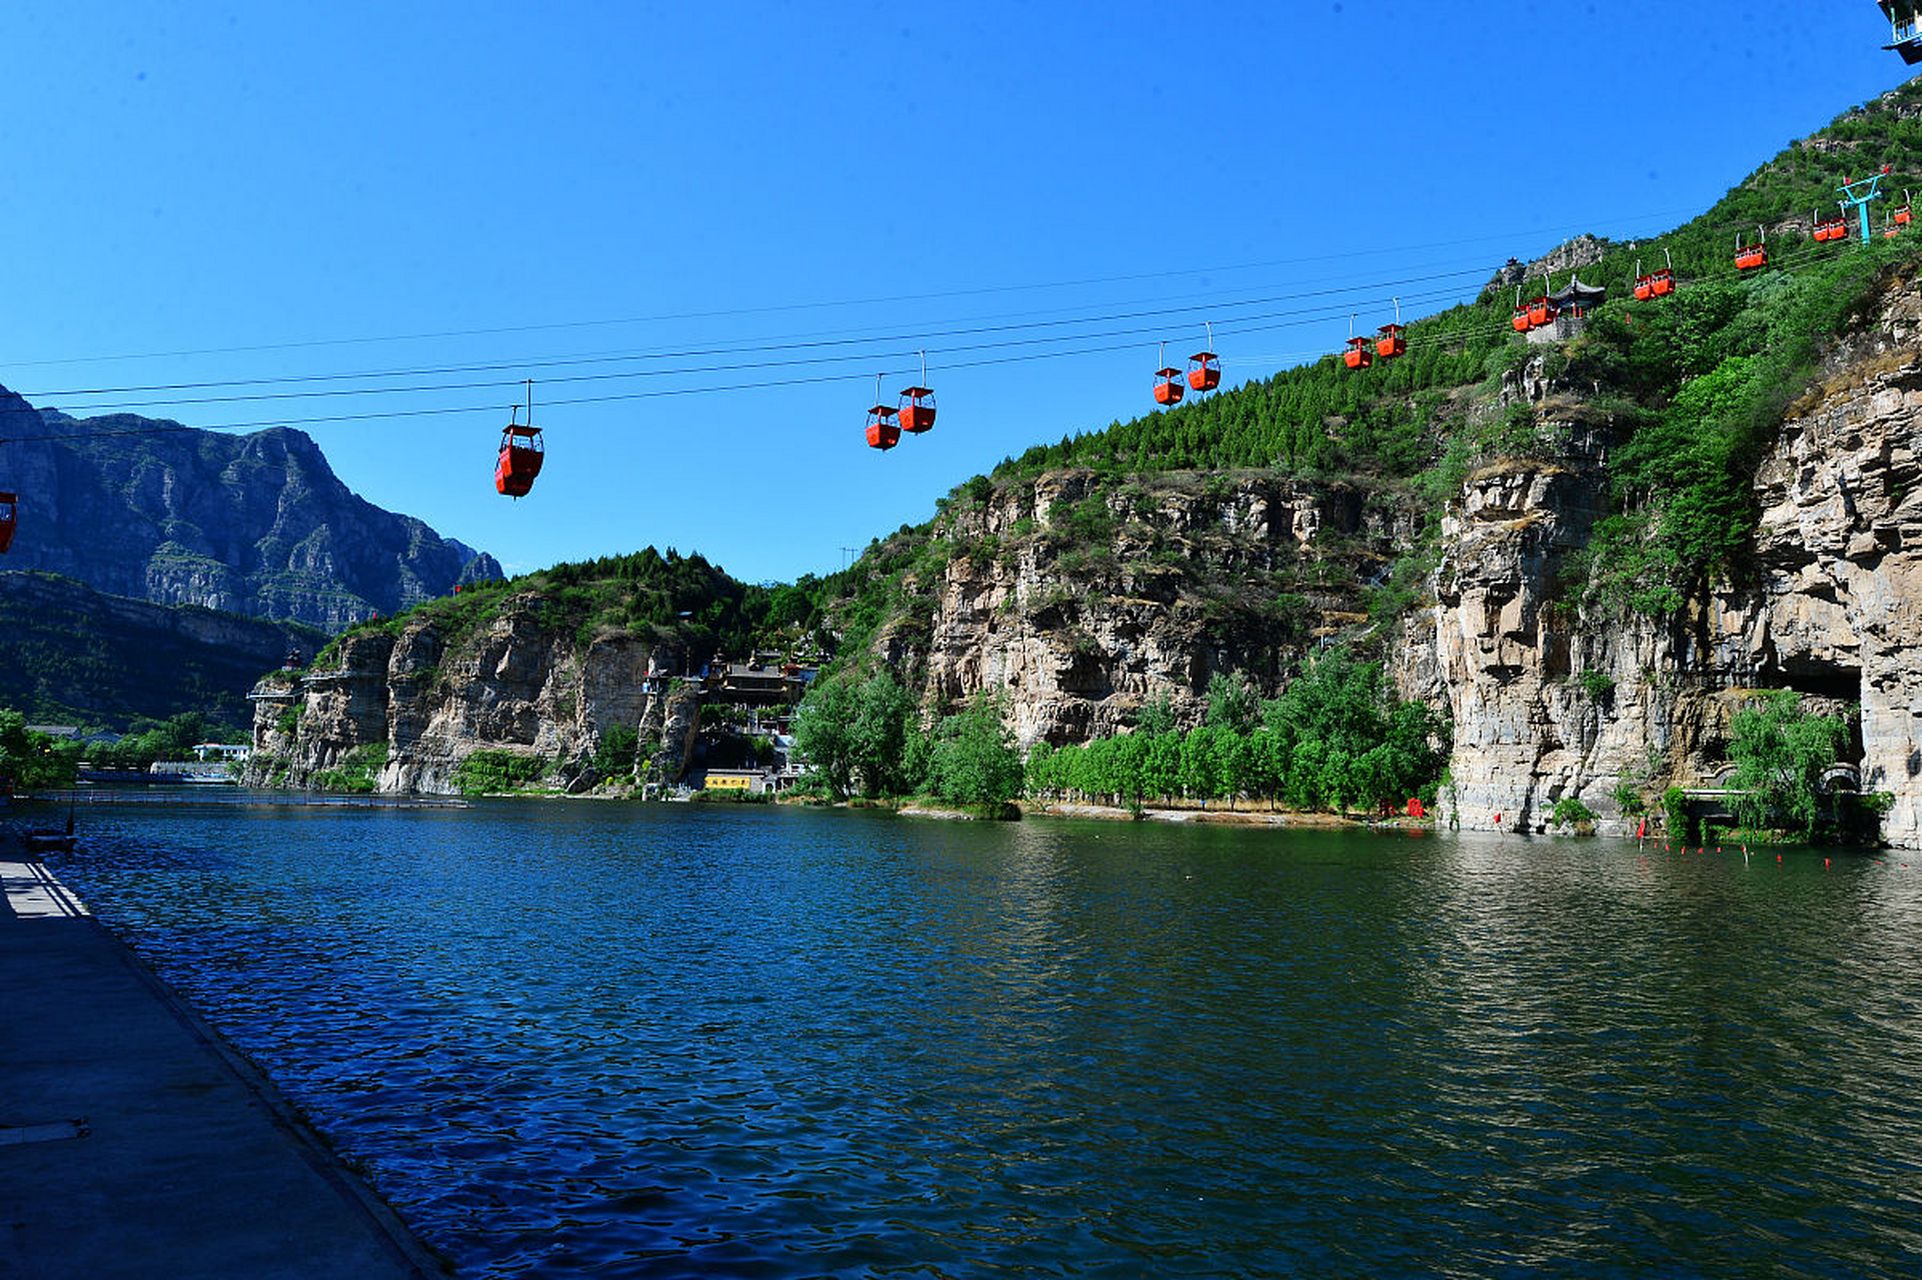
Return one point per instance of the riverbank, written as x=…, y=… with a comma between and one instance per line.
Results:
x=136, y=1144
x=1225, y=817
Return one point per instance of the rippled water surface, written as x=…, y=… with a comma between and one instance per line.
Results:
x=580, y=1039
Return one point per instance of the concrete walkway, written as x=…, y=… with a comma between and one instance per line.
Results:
x=134, y=1144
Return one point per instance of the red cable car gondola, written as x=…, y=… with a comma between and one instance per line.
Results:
x=1168, y=389
x=1657, y=284
x=521, y=454
x=1662, y=283
x=1391, y=340
x=917, y=404
x=1903, y=214
x=1358, y=355
x=1750, y=257
x=9, y=506
x=1520, y=322
x=1204, y=369
x=883, y=431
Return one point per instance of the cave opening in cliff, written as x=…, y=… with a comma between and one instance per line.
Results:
x=1823, y=680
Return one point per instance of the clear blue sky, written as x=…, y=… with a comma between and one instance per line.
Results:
x=561, y=181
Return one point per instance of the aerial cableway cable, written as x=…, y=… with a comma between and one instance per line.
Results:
x=1029, y=346
x=1210, y=307
x=897, y=299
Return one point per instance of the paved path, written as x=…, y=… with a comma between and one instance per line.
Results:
x=133, y=1144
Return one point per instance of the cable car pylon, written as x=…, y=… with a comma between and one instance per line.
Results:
x=1860, y=194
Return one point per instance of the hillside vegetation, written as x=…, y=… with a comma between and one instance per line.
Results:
x=1688, y=389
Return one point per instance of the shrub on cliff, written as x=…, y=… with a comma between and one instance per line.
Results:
x=1780, y=753
x=492, y=772
x=357, y=772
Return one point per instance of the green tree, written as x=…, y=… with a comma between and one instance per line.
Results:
x=1199, y=761
x=1157, y=716
x=976, y=762
x=1780, y=752
x=824, y=731
x=1160, y=765
x=884, y=716
x=1232, y=704
x=32, y=759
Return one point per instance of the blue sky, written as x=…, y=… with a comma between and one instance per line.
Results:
x=565, y=191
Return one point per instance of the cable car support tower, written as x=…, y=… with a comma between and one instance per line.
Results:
x=1863, y=192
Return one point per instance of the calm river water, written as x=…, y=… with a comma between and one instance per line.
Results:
x=578, y=1039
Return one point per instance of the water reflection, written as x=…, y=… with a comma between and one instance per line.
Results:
x=588, y=1039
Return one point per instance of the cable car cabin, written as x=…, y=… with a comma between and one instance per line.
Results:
x=917, y=409
x=8, y=504
x=1542, y=313
x=1358, y=356
x=883, y=431
x=1902, y=216
x=1520, y=322
x=1905, y=25
x=1662, y=283
x=1204, y=373
x=1644, y=288
x=1751, y=257
x=1168, y=390
x=1391, y=342
x=522, y=453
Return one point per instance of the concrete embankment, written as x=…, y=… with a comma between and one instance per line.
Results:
x=134, y=1144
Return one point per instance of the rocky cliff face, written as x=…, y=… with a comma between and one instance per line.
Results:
x=1079, y=597
x=513, y=685
x=1548, y=703
x=1161, y=584
x=256, y=525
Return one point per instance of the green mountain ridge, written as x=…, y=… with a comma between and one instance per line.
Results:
x=78, y=656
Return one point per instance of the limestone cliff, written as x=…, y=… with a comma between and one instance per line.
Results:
x=1549, y=701
x=1080, y=600
x=428, y=702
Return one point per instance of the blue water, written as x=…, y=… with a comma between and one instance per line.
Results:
x=598, y=1040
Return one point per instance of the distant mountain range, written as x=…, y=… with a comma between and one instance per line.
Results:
x=257, y=525
x=75, y=656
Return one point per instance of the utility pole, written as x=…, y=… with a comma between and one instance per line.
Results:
x=847, y=556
